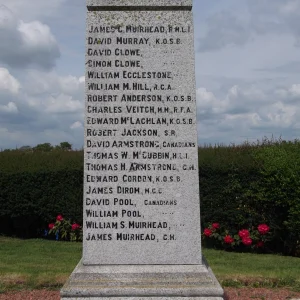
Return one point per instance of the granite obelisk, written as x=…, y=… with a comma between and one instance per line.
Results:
x=142, y=237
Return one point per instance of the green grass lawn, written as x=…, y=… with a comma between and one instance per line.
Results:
x=36, y=263
x=257, y=270
x=29, y=264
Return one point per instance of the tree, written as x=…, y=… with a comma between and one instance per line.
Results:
x=25, y=148
x=65, y=146
x=46, y=147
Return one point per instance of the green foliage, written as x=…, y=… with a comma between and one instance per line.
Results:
x=65, y=146
x=46, y=147
x=277, y=194
x=17, y=161
x=242, y=186
x=250, y=239
x=36, y=186
x=63, y=229
x=224, y=173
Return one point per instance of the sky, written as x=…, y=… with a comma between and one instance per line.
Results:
x=247, y=64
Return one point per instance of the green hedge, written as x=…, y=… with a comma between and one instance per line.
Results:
x=276, y=196
x=17, y=161
x=225, y=173
x=35, y=187
x=240, y=187
x=253, y=185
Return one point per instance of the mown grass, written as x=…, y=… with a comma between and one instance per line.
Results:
x=255, y=270
x=28, y=264
x=36, y=264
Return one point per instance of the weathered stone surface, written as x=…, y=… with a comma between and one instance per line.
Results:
x=141, y=231
x=146, y=3
x=147, y=132
x=146, y=281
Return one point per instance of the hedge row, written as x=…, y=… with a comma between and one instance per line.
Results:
x=260, y=185
x=30, y=200
x=17, y=161
x=240, y=186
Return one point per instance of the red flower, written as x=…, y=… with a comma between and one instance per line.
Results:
x=247, y=241
x=51, y=226
x=207, y=232
x=75, y=226
x=59, y=218
x=228, y=239
x=215, y=225
x=263, y=229
x=260, y=244
x=244, y=233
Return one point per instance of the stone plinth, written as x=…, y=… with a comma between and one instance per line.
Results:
x=177, y=282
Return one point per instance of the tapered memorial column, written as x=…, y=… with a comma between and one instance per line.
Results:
x=141, y=231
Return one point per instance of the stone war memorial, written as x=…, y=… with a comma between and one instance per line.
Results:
x=141, y=207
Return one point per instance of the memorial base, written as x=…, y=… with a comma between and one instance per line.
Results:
x=142, y=282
